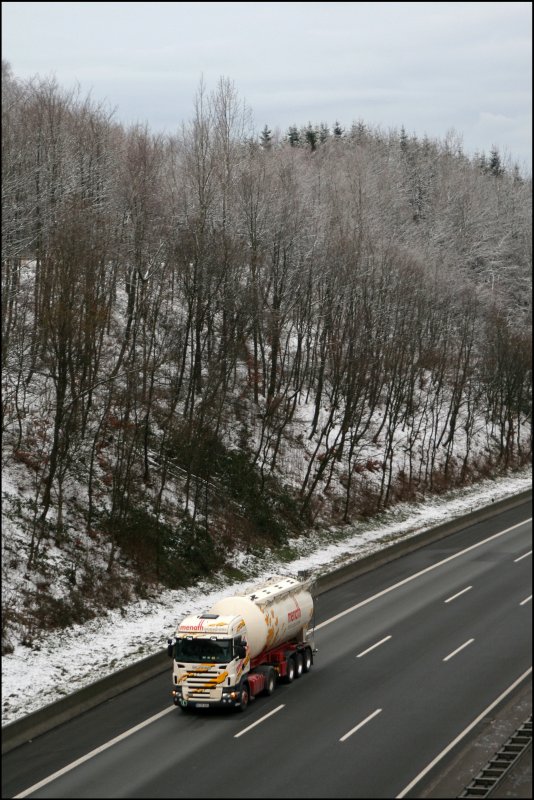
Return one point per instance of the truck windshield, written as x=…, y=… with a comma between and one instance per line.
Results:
x=203, y=650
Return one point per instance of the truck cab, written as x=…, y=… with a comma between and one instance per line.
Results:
x=210, y=658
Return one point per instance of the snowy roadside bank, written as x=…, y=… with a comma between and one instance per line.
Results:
x=77, y=656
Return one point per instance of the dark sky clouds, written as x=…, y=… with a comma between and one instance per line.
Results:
x=431, y=67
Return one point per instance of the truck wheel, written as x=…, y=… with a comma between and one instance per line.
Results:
x=270, y=682
x=307, y=660
x=290, y=673
x=245, y=697
x=299, y=665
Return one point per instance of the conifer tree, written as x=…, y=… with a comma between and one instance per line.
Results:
x=266, y=138
x=293, y=135
x=495, y=165
x=358, y=131
x=482, y=162
x=403, y=140
x=312, y=137
x=338, y=130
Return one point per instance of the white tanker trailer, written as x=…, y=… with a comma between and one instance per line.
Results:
x=242, y=646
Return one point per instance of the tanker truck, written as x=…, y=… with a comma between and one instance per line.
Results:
x=242, y=646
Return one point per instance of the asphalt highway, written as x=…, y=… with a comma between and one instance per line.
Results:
x=409, y=657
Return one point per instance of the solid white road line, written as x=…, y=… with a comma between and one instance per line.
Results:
x=526, y=600
x=523, y=556
x=416, y=575
x=258, y=721
x=361, y=724
x=373, y=647
x=95, y=752
x=458, y=649
x=457, y=595
x=462, y=734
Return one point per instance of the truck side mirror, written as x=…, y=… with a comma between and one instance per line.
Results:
x=169, y=647
x=241, y=651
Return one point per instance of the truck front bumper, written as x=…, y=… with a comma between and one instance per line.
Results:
x=230, y=698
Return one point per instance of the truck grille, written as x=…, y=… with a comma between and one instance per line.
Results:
x=202, y=683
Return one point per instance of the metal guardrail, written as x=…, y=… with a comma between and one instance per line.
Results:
x=498, y=767
x=54, y=714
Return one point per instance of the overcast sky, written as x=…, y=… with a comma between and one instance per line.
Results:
x=431, y=67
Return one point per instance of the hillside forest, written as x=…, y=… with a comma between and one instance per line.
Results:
x=218, y=339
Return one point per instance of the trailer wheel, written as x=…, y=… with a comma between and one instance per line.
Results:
x=245, y=697
x=299, y=664
x=270, y=682
x=290, y=673
x=307, y=660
